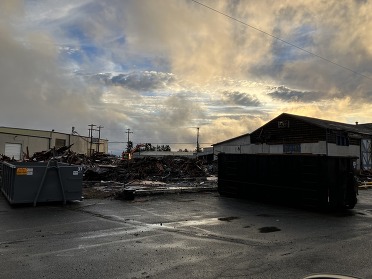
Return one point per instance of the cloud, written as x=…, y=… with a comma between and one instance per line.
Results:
x=285, y=94
x=241, y=99
x=177, y=111
x=224, y=128
x=36, y=92
x=142, y=81
x=200, y=44
x=158, y=67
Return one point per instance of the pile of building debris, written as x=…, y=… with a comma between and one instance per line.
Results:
x=4, y=158
x=109, y=176
x=148, y=175
x=164, y=169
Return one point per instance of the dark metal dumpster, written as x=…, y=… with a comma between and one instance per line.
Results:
x=310, y=180
x=32, y=182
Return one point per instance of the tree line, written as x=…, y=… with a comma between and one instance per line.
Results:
x=150, y=147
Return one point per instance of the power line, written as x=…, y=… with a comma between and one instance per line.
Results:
x=116, y=142
x=282, y=40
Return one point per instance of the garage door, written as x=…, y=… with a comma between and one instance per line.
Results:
x=13, y=150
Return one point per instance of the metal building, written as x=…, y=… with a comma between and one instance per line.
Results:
x=16, y=142
x=290, y=133
x=233, y=145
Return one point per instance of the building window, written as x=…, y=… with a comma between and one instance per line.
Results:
x=342, y=140
x=283, y=124
x=292, y=148
x=60, y=143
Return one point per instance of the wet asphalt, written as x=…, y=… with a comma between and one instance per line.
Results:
x=199, y=235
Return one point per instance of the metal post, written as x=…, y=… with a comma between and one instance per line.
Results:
x=91, y=138
x=197, y=142
x=99, y=137
x=50, y=139
x=128, y=132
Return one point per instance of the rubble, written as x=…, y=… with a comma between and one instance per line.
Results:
x=151, y=175
x=107, y=176
x=46, y=155
x=4, y=158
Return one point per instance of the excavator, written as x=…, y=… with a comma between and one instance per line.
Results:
x=129, y=155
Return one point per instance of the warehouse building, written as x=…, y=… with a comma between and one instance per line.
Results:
x=16, y=142
x=290, y=133
x=233, y=145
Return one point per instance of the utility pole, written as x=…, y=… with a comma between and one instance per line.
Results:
x=99, y=136
x=91, y=137
x=197, y=141
x=128, y=132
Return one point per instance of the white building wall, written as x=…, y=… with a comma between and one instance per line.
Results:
x=81, y=145
x=337, y=150
x=314, y=148
x=262, y=148
x=227, y=149
x=276, y=149
x=243, y=145
x=253, y=148
x=25, y=132
x=237, y=142
x=351, y=150
x=306, y=148
x=34, y=144
x=36, y=141
x=231, y=146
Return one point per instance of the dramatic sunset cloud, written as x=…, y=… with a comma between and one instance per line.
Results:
x=162, y=68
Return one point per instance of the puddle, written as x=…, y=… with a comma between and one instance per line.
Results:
x=228, y=219
x=269, y=229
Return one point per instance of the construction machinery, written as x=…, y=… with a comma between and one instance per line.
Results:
x=129, y=155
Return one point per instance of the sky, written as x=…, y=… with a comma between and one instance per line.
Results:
x=162, y=68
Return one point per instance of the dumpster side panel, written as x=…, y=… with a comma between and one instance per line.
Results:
x=341, y=182
x=7, y=181
x=304, y=179
x=26, y=185
x=22, y=180
x=72, y=179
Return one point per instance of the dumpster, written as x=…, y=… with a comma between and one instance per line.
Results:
x=310, y=180
x=33, y=182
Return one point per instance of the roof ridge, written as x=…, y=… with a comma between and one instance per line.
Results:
x=319, y=119
x=329, y=124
